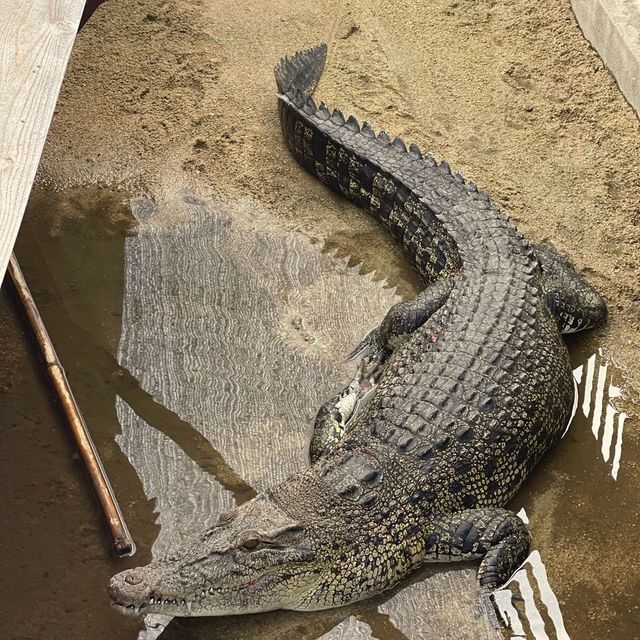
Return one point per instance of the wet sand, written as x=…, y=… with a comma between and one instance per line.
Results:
x=159, y=93
x=79, y=251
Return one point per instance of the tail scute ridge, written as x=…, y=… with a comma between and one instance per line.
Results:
x=301, y=71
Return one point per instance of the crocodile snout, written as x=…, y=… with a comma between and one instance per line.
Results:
x=129, y=588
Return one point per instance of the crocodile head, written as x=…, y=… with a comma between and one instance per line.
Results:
x=256, y=558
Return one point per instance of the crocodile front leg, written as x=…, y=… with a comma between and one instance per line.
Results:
x=400, y=322
x=497, y=536
x=331, y=422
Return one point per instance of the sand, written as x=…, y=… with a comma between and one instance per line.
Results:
x=509, y=93
x=161, y=96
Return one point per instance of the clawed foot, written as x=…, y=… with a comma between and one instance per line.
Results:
x=372, y=345
x=370, y=374
x=373, y=355
x=488, y=605
x=365, y=380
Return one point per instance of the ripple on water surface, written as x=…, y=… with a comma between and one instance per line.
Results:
x=241, y=328
x=233, y=332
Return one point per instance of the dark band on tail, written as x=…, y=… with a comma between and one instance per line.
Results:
x=301, y=71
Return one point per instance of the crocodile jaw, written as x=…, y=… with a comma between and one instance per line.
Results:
x=266, y=593
x=257, y=558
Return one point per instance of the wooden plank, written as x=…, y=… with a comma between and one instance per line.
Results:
x=613, y=29
x=36, y=38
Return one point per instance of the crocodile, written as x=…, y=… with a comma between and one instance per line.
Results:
x=459, y=394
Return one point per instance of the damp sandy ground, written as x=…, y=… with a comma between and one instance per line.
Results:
x=147, y=306
x=509, y=93
x=159, y=93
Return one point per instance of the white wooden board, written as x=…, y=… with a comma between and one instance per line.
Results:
x=36, y=38
x=613, y=28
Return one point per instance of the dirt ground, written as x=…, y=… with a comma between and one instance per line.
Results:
x=181, y=92
x=509, y=93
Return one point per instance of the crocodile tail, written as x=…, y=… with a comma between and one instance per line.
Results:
x=301, y=71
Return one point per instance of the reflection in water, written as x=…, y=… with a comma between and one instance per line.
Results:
x=187, y=498
x=598, y=405
x=155, y=624
x=239, y=329
x=527, y=604
x=350, y=629
x=447, y=605
x=527, y=595
x=528, y=587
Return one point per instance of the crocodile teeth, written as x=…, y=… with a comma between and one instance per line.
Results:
x=472, y=185
x=337, y=117
x=484, y=195
x=212, y=590
x=414, y=149
x=458, y=177
x=367, y=130
x=352, y=124
x=398, y=143
x=152, y=600
x=444, y=165
x=189, y=605
x=383, y=137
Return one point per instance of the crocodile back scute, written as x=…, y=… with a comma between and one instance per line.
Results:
x=469, y=404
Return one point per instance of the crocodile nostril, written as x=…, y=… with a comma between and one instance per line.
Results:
x=132, y=578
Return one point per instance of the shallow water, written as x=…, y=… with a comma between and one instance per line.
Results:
x=193, y=408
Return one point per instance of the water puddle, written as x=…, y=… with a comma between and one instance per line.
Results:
x=597, y=402
x=527, y=604
x=200, y=347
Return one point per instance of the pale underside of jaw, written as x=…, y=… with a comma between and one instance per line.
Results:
x=199, y=606
x=185, y=607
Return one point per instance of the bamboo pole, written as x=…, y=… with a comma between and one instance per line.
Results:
x=122, y=540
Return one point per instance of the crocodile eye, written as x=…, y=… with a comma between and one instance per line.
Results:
x=250, y=543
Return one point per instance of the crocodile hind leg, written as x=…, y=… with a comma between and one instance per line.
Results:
x=401, y=320
x=331, y=422
x=575, y=304
x=497, y=536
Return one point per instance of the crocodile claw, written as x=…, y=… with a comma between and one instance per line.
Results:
x=360, y=350
x=370, y=346
x=373, y=354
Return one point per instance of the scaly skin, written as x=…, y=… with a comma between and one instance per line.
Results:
x=474, y=387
